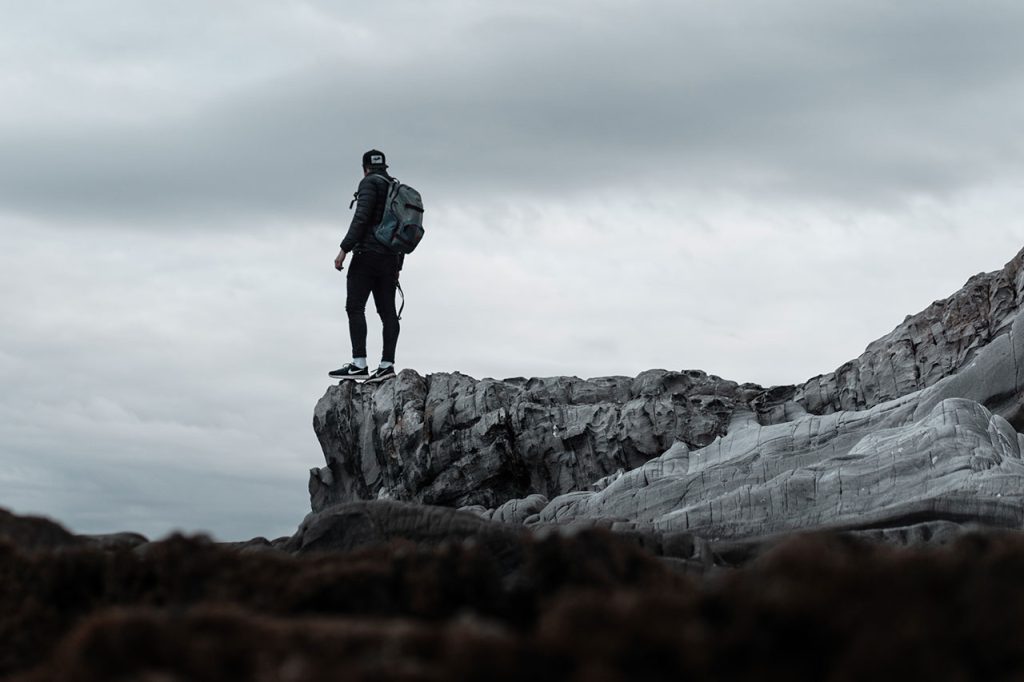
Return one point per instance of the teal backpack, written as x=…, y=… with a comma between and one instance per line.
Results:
x=401, y=228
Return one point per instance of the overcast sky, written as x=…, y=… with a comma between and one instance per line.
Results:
x=755, y=189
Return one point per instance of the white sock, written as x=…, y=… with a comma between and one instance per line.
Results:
x=384, y=364
x=359, y=362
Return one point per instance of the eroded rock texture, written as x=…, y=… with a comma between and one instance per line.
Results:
x=923, y=349
x=935, y=454
x=449, y=439
x=919, y=430
x=960, y=463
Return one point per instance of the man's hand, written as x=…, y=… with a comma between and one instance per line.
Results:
x=339, y=260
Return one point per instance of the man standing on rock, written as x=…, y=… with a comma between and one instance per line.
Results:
x=374, y=269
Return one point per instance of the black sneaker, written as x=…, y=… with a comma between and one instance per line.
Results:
x=350, y=371
x=382, y=374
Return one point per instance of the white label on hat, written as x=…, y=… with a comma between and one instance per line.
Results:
x=376, y=158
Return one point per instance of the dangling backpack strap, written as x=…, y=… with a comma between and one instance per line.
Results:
x=399, y=287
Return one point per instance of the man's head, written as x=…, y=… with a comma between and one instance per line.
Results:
x=374, y=160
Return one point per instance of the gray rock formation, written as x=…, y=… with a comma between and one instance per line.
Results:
x=451, y=440
x=922, y=350
x=879, y=467
x=918, y=431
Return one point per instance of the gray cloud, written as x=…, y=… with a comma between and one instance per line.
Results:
x=857, y=102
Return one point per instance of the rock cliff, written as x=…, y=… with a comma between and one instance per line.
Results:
x=922, y=350
x=449, y=439
x=918, y=429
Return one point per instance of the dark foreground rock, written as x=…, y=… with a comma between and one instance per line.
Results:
x=35, y=533
x=587, y=605
x=130, y=602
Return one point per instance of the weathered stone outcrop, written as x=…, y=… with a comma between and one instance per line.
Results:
x=919, y=352
x=449, y=439
x=920, y=430
x=960, y=464
x=935, y=454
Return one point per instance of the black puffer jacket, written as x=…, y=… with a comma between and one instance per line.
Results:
x=370, y=199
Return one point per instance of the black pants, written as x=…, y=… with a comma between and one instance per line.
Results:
x=377, y=274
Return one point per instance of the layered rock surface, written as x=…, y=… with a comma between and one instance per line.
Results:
x=922, y=350
x=919, y=429
x=449, y=439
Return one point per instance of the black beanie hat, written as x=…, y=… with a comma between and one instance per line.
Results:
x=374, y=159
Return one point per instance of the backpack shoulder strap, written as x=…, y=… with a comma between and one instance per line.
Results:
x=388, y=179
